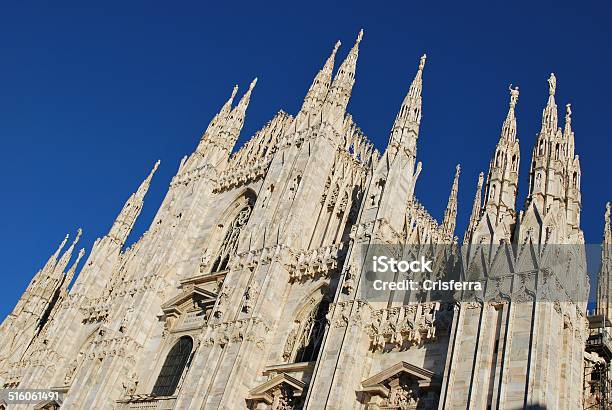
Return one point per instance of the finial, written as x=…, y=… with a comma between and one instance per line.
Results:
x=252, y=85
x=359, y=36
x=607, y=232
x=458, y=168
x=514, y=94
x=568, y=113
x=62, y=244
x=234, y=91
x=552, y=84
x=337, y=46
x=155, y=167
x=78, y=236
x=422, y=62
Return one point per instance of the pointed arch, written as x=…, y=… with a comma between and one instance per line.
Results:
x=305, y=339
x=173, y=368
x=237, y=216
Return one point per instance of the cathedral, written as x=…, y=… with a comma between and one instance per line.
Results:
x=251, y=289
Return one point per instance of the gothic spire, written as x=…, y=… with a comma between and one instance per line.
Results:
x=342, y=86
x=607, y=240
x=450, y=215
x=52, y=261
x=549, y=115
x=236, y=118
x=63, y=262
x=568, y=119
x=509, y=127
x=127, y=217
x=475, y=209
x=144, y=186
x=320, y=85
x=502, y=179
x=548, y=156
x=73, y=268
x=218, y=121
x=604, y=297
x=405, y=129
x=225, y=109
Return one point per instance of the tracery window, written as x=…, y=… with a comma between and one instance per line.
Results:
x=230, y=241
x=173, y=367
x=312, y=333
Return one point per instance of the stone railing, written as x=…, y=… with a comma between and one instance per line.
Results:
x=148, y=402
x=184, y=178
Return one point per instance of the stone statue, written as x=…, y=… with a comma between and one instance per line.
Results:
x=70, y=372
x=514, y=94
x=552, y=84
x=129, y=386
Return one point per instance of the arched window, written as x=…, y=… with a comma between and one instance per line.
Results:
x=173, y=367
x=230, y=240
x=312, y=333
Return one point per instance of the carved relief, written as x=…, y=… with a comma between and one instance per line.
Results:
x=413, y=324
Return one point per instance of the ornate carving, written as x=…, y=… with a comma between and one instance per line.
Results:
x=303, y=265
x=222, y=301
x=130, y=384
x=348, y=286
x=414, y=324
x=248, y=299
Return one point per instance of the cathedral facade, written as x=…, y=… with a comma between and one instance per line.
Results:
x=248, y=291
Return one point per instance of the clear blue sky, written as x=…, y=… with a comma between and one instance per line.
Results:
x=91, y=96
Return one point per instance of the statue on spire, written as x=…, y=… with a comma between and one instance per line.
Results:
x=514, y=95
x=422, y=62
x=568, y=113
x=552, y=84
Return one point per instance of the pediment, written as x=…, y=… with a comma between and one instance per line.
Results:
x=48, y=404
x=189, y=294
x=379, y=383
x=395, y=370
x=264, y=392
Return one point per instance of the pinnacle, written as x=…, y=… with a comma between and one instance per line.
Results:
x=422, y=62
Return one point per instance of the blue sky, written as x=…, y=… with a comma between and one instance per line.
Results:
x=92, y=95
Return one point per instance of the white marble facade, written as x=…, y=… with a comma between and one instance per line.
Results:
x=245, y=291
